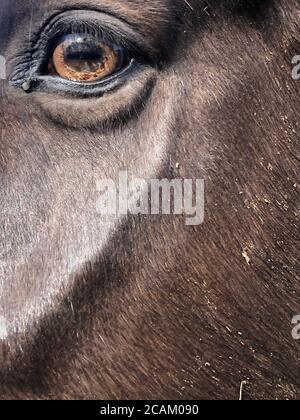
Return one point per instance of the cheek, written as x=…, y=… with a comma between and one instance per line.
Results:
x=52, y=177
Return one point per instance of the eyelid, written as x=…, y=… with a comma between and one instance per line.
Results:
x=97, y=24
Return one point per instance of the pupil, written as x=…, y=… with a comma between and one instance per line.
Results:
x=83, y=55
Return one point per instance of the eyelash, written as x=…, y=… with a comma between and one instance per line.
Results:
x=31, y=68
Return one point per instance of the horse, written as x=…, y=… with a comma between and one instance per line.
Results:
x=145, y=306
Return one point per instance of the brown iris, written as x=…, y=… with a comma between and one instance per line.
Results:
x=83, y=58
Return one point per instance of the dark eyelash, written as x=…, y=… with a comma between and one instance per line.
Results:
x=87, y=28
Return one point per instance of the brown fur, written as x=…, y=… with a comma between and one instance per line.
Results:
x=150, y=308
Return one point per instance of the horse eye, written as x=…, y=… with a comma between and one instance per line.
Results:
x=85, y=59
